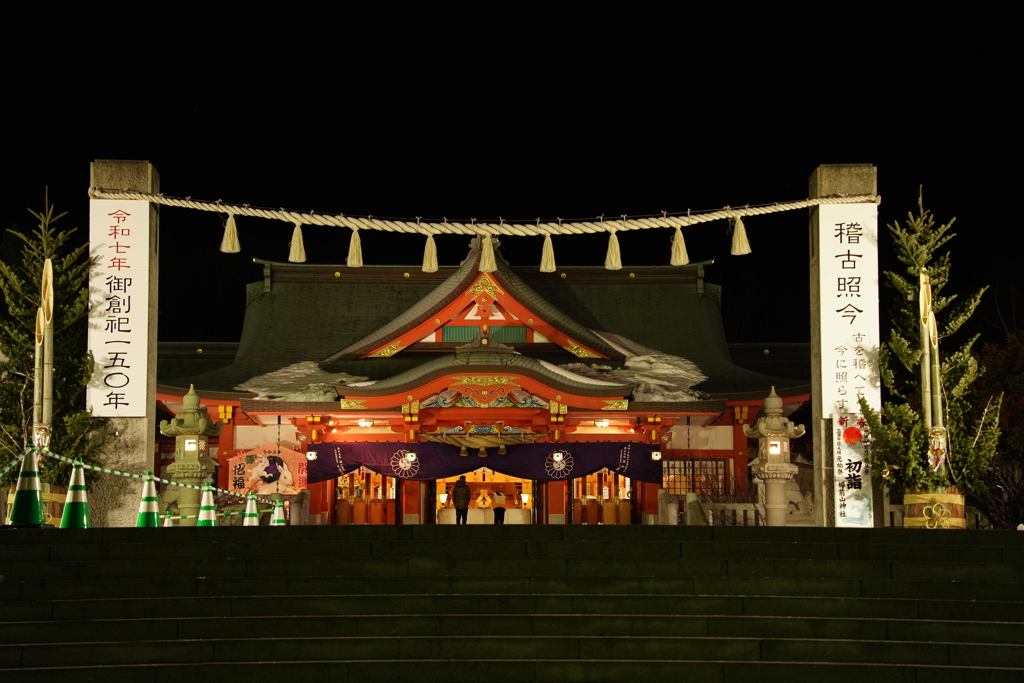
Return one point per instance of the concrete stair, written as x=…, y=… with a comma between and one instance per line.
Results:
x=510, y=603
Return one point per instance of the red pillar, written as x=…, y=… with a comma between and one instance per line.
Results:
x=556, y=494
x=225, y=445
x=410, y=492
x=321, y=499
x=739, y=450
x=650, y=499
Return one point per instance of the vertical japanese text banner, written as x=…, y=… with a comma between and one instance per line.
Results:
x=119, y=307
x=848, y=242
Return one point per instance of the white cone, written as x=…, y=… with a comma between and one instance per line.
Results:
x=252, y=518
x=278, y=518
x=76, y=506
x=207, y=510
x=148, y=512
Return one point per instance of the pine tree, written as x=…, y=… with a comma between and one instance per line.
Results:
x=899, y=446
x=75, y=432
x=1002, y=499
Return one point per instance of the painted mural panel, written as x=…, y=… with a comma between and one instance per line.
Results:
x=271, y=468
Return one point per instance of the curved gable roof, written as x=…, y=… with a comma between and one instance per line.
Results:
x=544, y=309
x=452, y=288
x=444, y=294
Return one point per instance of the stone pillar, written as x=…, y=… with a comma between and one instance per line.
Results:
x=114, y=501
x=827, y=180
x=773, y=432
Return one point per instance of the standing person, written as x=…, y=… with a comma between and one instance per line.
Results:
x=499, y=507
x=460, y=499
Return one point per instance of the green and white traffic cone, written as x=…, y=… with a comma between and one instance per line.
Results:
x=251, y=518
x=168, y=519
x=278, y=518
x=207, y=510
x=28, y=501
x=148, y=512
x=76, y=506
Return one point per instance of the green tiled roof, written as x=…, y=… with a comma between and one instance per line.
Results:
x=307, y=313
x=670, y=314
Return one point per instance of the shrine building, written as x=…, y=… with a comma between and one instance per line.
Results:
x=578, y=396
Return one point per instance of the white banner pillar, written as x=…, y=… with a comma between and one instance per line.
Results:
x=844, y=341
x=124, y=237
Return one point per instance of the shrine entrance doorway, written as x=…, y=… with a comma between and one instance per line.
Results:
x=489, y=490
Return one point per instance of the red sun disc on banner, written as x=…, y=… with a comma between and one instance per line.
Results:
x=852, y=435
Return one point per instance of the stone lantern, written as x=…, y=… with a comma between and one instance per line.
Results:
x=192, y=462
x=773, y=432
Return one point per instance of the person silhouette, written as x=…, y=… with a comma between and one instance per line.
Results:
x=460, y=500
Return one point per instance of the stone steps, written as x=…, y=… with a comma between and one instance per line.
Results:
x=510, y=647
x=510, y=603
x=435, y=624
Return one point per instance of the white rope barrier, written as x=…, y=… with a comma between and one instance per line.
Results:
x=132, y=475
x=503, y=227
x=9, y=466
x=219, y=514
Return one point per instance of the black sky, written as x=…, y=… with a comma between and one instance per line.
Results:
x=576, y=134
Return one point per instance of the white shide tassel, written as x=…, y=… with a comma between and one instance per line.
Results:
x=547, y=256
x=613, y=261
x=230, y=245
x=355, y=251
x=679, y=255
x=740, y=245
x=430, y=256
x=487, y=263
x=297, y=254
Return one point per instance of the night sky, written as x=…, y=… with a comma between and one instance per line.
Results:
x=480, y=138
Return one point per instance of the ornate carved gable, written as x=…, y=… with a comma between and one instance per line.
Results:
x=485, y=306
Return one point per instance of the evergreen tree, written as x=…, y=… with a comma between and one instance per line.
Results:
x=899, y=446
x=1002, y=499
x=75, y=432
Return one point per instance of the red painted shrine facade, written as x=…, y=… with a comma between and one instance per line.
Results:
x=478, y=365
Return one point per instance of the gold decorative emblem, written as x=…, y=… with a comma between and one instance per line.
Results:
x=937, y=515
x=618, y=404
x=388, y=351
x=578, y=350
x=352, y=404
x=414, y=407
x=484, y=285
x=484, y=380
